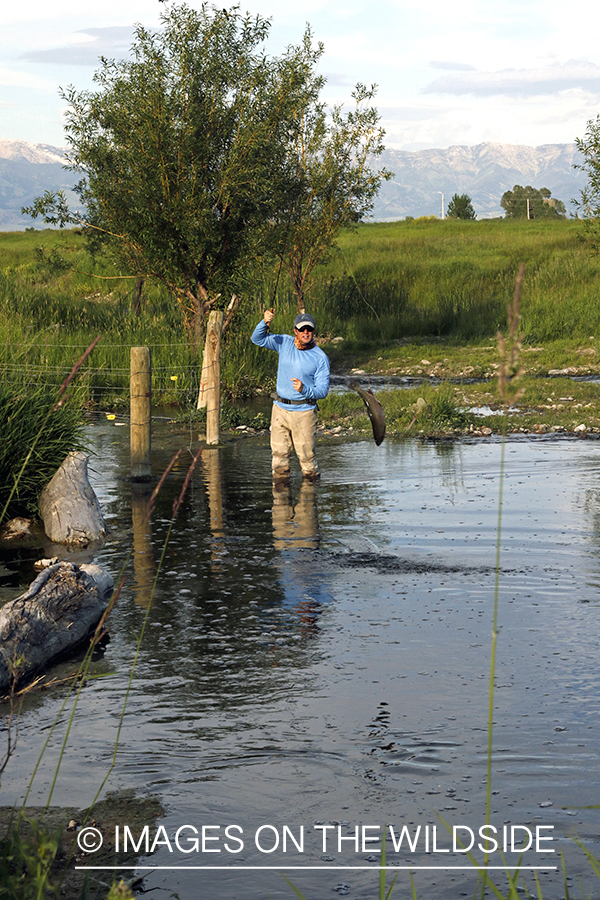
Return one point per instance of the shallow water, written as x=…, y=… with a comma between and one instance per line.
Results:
x=325, y=661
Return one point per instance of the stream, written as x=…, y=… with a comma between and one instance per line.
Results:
x=316, y=663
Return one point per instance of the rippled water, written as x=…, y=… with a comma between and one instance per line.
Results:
x=324, y=658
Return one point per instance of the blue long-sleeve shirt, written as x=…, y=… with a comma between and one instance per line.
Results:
x=310, y=366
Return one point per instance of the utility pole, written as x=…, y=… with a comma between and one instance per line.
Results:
x=441, y=192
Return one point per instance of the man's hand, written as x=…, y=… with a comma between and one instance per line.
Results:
x=269, y=316
x=297, y=384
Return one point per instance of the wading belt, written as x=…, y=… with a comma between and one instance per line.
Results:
x=293, y=402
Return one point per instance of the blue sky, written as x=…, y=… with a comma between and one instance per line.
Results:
x=525, y=72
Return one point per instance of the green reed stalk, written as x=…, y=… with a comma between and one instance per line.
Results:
x=508, y=376
x=176, y=506
x=85, y=663
x=382, y=874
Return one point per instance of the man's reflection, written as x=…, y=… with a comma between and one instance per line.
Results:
x=296, y=528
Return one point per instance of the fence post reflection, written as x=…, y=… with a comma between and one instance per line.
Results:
x=211, y=460
x=144, y=566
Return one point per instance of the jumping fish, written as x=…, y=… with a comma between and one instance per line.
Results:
x=374, y=410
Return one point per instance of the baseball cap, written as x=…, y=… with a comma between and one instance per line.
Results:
x=304, y=319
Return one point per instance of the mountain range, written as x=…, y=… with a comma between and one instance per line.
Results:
x=422, y=178
x=483, y=171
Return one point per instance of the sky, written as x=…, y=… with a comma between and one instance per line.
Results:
x=508, y=71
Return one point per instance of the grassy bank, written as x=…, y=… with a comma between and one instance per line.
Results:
x=452, y=279
x=548, y=405
x=405, y=298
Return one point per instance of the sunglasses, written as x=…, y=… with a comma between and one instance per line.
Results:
x=305, y=328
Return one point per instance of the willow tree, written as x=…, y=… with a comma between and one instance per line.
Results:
x=179, y=149
x=330, y=177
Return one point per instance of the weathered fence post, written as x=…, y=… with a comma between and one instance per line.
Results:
x=140, y=414
x=211, y=366
x=201, y=404
x=226, y=319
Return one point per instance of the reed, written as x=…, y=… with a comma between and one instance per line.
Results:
x=32, y=430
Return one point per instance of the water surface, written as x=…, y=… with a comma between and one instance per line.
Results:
x=322, y=658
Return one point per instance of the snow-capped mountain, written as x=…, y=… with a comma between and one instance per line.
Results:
x=26, y=171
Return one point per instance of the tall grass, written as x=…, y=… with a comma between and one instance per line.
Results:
x=453, y=279
x=31, y=426
x=387, y=282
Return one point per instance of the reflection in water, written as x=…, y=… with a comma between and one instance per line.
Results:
x=295, y=526
x=296, y=529
x=334, y=665
x=211, y=461
x=144, y=565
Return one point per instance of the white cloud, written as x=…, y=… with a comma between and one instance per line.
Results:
x=85, y=47
x=574, y=74
x=452, y=66
x=447, y=73
x=19, y=78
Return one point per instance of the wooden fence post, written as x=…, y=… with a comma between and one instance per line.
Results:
x=212, y=367
x=140, y=413
x=201, y=404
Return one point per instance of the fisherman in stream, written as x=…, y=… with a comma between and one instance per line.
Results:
x=302, y=379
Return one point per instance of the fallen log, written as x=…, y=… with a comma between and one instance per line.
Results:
x=58, y=611
x=69, y=506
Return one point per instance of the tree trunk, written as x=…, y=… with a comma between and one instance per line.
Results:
x=69, y=506
x=137, y=296
x=198, y=324
x=300, y=298
x=58, y=610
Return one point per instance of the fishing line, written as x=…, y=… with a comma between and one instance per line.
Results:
x=277, y=281
x=363, y=298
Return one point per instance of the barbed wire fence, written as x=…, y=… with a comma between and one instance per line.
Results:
x=175, y=382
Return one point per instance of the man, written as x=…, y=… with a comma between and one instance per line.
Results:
x=302, y=379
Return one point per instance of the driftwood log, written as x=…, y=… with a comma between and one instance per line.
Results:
x=69, y=506
x=58, y=610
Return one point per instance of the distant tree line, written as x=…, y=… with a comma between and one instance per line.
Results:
x=531, y=203
x=520, y=203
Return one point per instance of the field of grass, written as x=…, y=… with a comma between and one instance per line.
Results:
x=452, y=279
x=404, y=298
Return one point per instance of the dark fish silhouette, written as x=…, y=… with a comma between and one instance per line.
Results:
x=374, y=410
